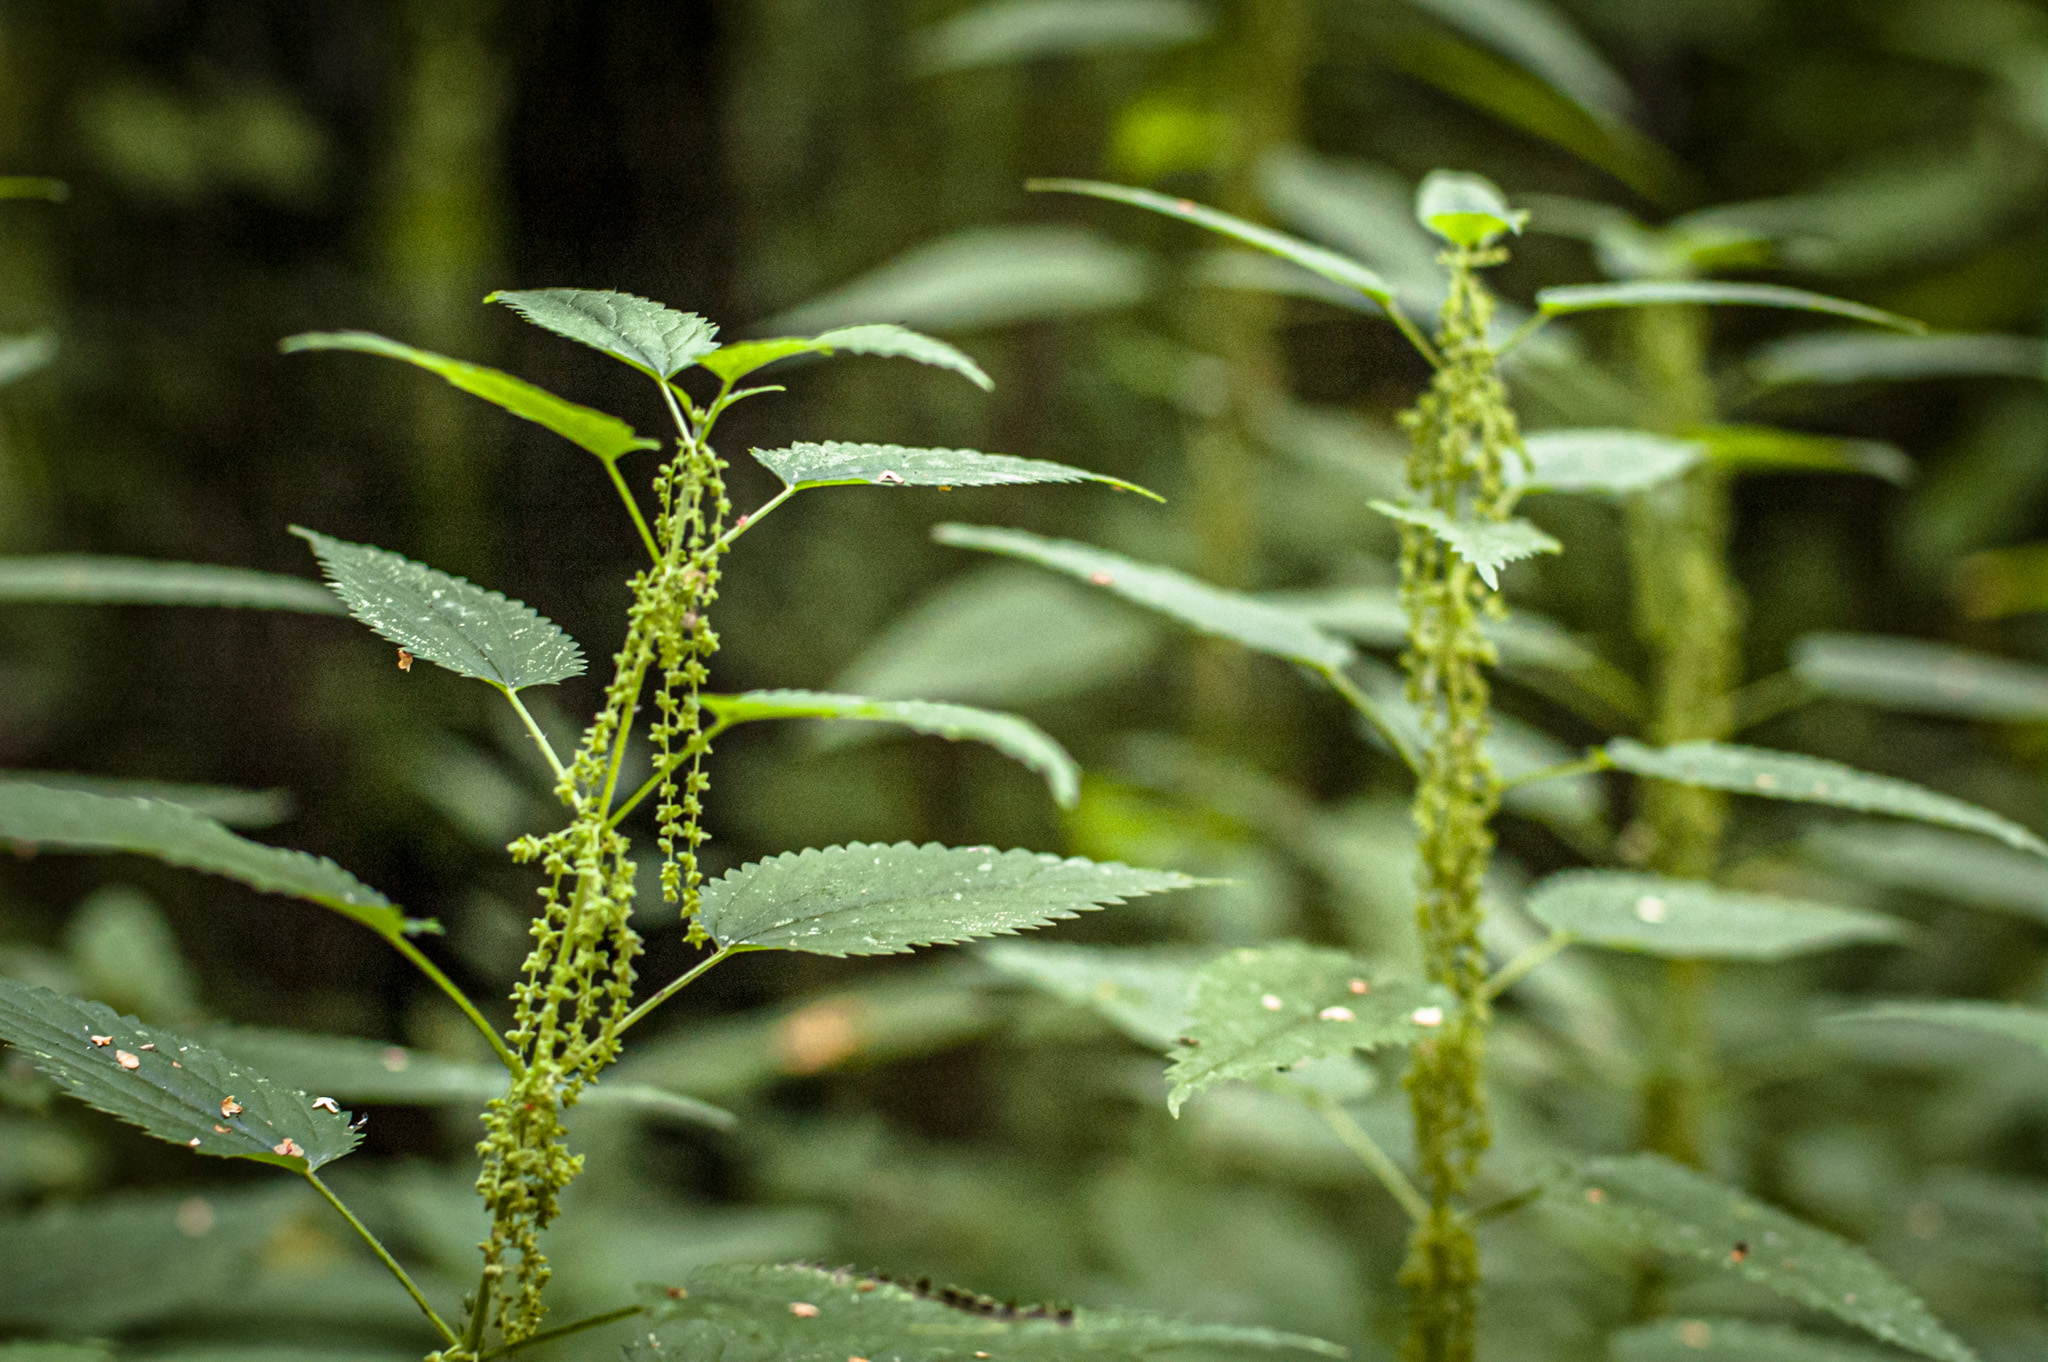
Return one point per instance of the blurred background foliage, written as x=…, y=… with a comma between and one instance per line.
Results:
x=240, y=171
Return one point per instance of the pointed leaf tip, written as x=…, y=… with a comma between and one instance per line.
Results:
x=652, y=337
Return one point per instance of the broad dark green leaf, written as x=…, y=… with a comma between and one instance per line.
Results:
x=1690, y=920
x=1257, y=1010
x=1610, y=461
x=1338, y=269
x=1859, y=357
x=739, y=1312
x=87, y=579
x=1003, y=31
x=1208, y=609
x=1731, y=1340
x=1013, y=737
x=2013, y=1021
x=866, y=899
x=1569, y=298
x=1810, y=780
x=1762, y=449
x=1921, y=677
x=1948, y=865
x=174, y=1088
x=1140, y=990
x=1488, y=545
x=605, y=436
x=21, y=356
x=223, y=804
x=445, y=619
x=1689, y=1215
x=73, y=820
x=882, y=339
x=835, y=463
x=1464, y=209
x=655, y=339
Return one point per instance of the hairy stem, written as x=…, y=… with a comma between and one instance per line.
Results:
x=384, y=1256
x=461, y=1000
x=673, y=987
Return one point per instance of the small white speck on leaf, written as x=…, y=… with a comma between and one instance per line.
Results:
x=1427, y=1016
x=126, y=1060
x=1650, y=908
x=1337, y=1014
x=1271, y=1002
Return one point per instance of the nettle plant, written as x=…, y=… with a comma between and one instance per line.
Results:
x=1293, y=1016
x=576, y=999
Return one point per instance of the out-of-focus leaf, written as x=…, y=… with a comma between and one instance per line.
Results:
x=444, y=619
x=864, y=899
x=1013, y=737
x=985, y=277
x=21, y=356
x=1565, y=299
x=836, y=463
x=1364, y=210
x=655, y=339
x=73, y=820
x=1004, y=31
x=55, y=1352
x=1689, y=1215
x=1611, y=461
x=1465, y=209
x=34, y=187
x=1375, y=617
x=86, y=579
x=603, y=435
x=2028, y=1025
x=1690, y=920
x=1207, y=609
x=734, y=1311
x=222, y=803
x=1762, y=449
x=1730, y=1340
x=1782, y=775
x=1140, y=990
x=1921, y=677
x=1488, y=545
x=1257, y=1010
x=882, y=339
x=1542, y=42
x=126, y=954
x=1948, y=865
x=1859, y=357
x=2000, y=582
x=174, y=1089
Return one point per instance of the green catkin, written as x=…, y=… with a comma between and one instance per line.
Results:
x=577, y=983
x=1462, y=430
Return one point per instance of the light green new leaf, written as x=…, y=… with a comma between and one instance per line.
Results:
x=1207, y=609
x=864, y=899
x=1810, y=780
x=1690, y=920
x=882, y=339
x=1945, y=865
x=1465, y=209
x=174, y=1088
x=445, y=619
x=1140, y=990
x=1689, y=1215
x=1859, y=357
x=737, y=1311
x=603, y=435
x=356, y=1070
x=1257, y=1010
x=1921, y=677
x=1338, y=269
x=2028, y=1025
x=1762, y=449
x=1611, y=461
x=82, y=579
x=73, y=820
x=836, y=463
x=222, y=803
x=1013, y=737
x=1006, y=31
x=21, y=356
x=1731, y=1340
x=1488, y=545
x=1569, y=298
x=657, y=340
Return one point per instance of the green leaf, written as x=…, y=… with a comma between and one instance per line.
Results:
x=1859, y=357
x=867, y=899
x=1006, y=31
x=1689, y=1215
x=1569, y=298
x=21, y=356
x=1611, y=461
x=1360, y=208
x=1338, y=269
x=175, y=1089
x=657, y=340
x=1762, y=449
x=603, y=435
x=1257, y=1010
x=1488, y=545
x=1689, y=920
x=444, y=619
x=1017, y=738
x=76, y=578
x=73, y=820
x=1731, y=1340
x=2028, y=1025
x=1140, y=990
x=1375, y=617
x=735, y=1311
x=882, y=339
x=1207, y=609
x=34, y=187
x=1464, y=209
x=356, y=1070
x=223, y=804
x=1921, y=677
x=1781, y=775
x=835, y=463
x=1944, y=865
x=1543, y=43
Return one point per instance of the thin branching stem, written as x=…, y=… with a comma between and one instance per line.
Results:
x=1519, y=968
x=673, y=987
x=1360, y=1142
x=461, y=1000
x=1590, y=764
x=540, y=739
x=384, y=1256
x=611, y=466
x=550, y=1335
x=747, y=522
x=653, y=781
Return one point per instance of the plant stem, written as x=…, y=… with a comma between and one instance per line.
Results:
x=461, y=1000
x=673, y=987
x=611, y=466
x=1590, y=764
x=384, y=1256
x=647, y=786
x=1519, y=968
x=1360, y=1142
x=747, y=522
x=1355, y=695
x=549, y=1335
x=540, y=739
